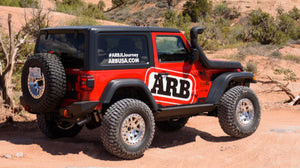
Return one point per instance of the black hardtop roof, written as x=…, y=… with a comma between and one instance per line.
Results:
x=113, y=29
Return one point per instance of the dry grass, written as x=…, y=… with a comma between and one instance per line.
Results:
x=9, y=115
x=4, y=113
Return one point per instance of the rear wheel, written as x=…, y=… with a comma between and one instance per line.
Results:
x=172, y=124
x=127, y=128
x=239, y=112
x=57, y=129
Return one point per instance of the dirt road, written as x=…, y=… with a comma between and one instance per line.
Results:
x=201, y=144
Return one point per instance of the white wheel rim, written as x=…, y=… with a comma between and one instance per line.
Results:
x=133, y=129
x=245, y=111
x=36, y=86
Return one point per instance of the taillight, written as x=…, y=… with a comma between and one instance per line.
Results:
x=66, y=113
x=26, y=107
x=87, y=82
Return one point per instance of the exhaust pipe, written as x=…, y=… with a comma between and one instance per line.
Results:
x=84, y=121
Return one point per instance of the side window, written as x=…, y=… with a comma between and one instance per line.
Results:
x=122, y=49
x=170, y=49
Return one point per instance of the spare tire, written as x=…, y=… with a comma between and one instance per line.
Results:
x=43, y=83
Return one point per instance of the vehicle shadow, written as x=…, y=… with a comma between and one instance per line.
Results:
x=185, y=135
x=88, y=141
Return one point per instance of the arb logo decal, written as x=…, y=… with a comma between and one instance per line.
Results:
x=170, y=87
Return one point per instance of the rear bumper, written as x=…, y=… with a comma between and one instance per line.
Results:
x=79, y=109
x=74, y=110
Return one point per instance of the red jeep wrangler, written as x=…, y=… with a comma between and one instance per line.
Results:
x=127, y=80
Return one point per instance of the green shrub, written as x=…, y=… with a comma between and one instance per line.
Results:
x=242, y=32
x=234, y=14
x=286, y=24
x=101, y=5
x=197, y=9
x=293, y=58
x=294, y=31
x=20, y=3
x=264, y=28
x=251, y=67
x=240, y=56
x=82, y=21
x=289, y=75
x=296, y=35
x=122, y=15
x=29, y=3
x=10, y=3
x=257, y=49
x=263, y=25
x=148, y=17
x=183, y=22
x=153, y=13
x=80, y=8
x=217, y=33
x=73, y=7
x=294, y=13
x=208, y=39
x=17, y=77
x=276, y=54
x=162, y=4
x=93, y=11
x=280, y=38
x=221, y=9
x=117, y=3
x=171, y=19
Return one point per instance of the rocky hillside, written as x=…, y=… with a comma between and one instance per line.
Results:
x=270, y=6
x=56, y=18
x=155, y=9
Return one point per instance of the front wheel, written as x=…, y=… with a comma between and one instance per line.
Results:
x=57, y=129
x=239, y=112
x=127, y=128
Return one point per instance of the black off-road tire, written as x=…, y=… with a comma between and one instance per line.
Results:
x=115, y=118
x=57, y=129
x=232, y=123
x=54, y=83
x=172, y=124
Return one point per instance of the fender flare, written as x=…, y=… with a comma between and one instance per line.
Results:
x=221, y=82
x=115, y=84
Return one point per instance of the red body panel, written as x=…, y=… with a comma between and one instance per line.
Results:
x=193, y=81
x=102, y=78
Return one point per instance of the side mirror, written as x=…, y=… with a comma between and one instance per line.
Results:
x=194, y=55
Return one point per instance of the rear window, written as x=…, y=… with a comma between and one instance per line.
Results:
x=122, y=50
x=68, y=46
